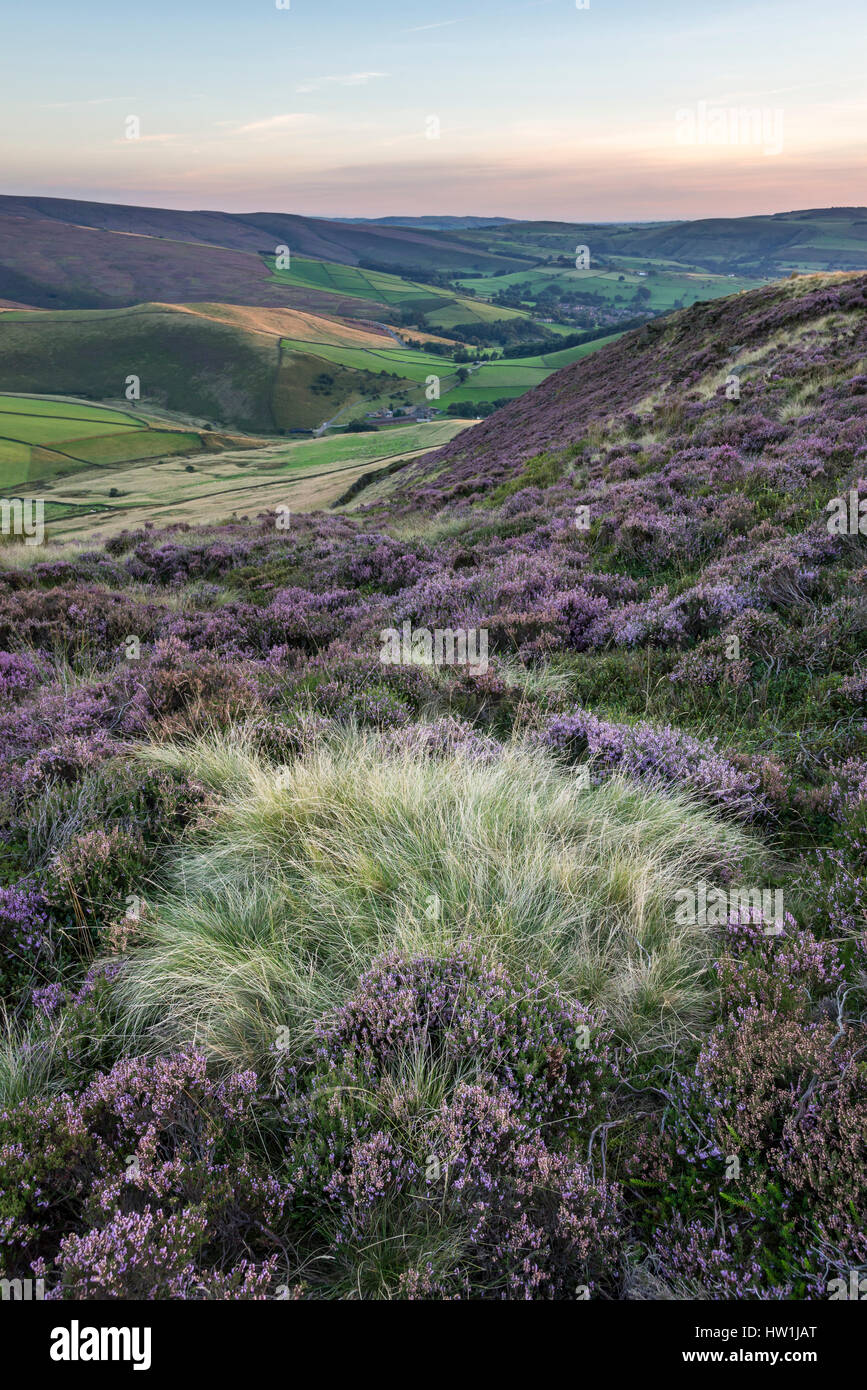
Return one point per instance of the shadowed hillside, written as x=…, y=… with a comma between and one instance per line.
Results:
x=58, y=253
x=210, y=361
x=52, y=265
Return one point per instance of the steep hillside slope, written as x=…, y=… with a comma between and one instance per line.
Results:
x=669, y=370
x=187, y=363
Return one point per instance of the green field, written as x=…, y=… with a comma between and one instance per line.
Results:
x=668, y=287
x=441, y=308
x=355, y=448
x=43, y=439
x=67, y=410
x=305, y=475
x=490, y=381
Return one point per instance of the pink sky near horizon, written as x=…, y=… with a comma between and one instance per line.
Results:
x=544, y=111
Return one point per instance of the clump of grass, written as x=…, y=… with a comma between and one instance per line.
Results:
x=543, y=470
x=308, y=873
x=31, y=1060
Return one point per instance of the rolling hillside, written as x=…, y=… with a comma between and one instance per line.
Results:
x=196, y=307
x=264, y=370
x=46, y=252
x=212, y=371
x=48, y=264
x=58, y=253
x=773, y=245
x=219, y=364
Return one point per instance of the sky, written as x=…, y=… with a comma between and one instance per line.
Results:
x=623, y=110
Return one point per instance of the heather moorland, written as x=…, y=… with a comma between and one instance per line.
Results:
x=460, y=892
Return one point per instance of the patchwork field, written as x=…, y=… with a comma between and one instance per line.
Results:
x=441, y=308
x=49, y=439
x=223, y=366
x=668, y=288
x=216, y=365
x=96, y=503
x=410, y=368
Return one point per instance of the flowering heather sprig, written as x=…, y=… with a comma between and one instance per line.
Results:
x=662, y=756
x=25, y=937
x=793, y=971
x=518, y=1071
x=787, y=1094
x=141, y=1186
x=18, y=674
x=719, y=1262
x=778, y=1093
x=550, y=1051
x=66, y=761
x=152, y=1254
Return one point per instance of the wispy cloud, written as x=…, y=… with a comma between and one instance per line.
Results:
x=284, y=122
x=146, y=139
x=442, y=24
x=349, y=79
x=91, y=101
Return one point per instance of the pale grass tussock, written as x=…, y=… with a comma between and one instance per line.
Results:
x=304, y=875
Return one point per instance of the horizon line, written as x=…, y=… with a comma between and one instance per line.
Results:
x=410, y=217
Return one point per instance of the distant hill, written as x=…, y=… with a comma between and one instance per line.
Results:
x=48, y=264
x=198, y=305
x=395, y=246
x=58, y=253
x=806, y=240
x=811, y=239
x=445, y=224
